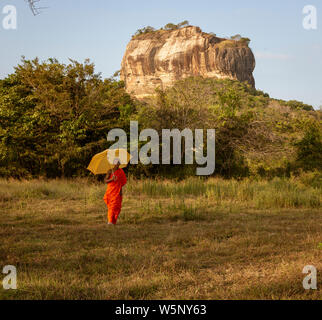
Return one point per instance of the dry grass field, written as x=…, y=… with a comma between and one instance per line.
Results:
x=193, y=239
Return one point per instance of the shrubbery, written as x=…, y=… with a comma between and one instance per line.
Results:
x=55, y=117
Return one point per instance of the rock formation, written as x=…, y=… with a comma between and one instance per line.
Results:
x=158, y=59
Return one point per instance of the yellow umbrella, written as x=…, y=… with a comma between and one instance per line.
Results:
x=102, y=162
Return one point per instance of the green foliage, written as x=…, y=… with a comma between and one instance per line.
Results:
x=254, y=134
x=309, y=148
x=172, y=26
x=167, y=27
x=182, y=24
x=296, y=105
x=144, y=30
x=55, y=116
x=240, y=39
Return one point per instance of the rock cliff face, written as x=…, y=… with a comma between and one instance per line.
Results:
x=160, y=58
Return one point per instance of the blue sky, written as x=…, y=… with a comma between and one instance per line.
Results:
x=288, y=57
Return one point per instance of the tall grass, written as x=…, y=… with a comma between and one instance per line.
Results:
x=277, y=193
x=39, y=189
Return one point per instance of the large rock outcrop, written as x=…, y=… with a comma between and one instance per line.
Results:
x=160, y=58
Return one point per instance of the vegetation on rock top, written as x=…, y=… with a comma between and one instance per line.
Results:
x=234, y=41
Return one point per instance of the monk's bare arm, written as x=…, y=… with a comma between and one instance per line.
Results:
x=107, y=180
x=114, y=178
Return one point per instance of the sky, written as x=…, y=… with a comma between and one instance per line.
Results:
x=288, y=57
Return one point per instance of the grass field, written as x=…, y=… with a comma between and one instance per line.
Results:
x=193, y=239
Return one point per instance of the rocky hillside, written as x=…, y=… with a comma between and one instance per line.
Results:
x=158, y=59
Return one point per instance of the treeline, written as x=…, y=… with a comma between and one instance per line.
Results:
x=54, y=117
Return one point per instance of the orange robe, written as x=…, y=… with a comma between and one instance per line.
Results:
x=113, y=197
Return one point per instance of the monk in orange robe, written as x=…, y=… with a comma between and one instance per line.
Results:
x=116, y=180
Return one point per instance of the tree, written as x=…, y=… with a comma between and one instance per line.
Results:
x=299, y=105
x=182, y=24
x=170, y=26
x=55, y=116
x=309, y=148
x=144, y=30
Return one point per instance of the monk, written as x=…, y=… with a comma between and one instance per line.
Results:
x=116, y=180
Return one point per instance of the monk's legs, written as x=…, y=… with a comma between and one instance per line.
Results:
x=110, y=215
x=114, y=210
x=109, y=210
x=113, y=214
x=116, y=214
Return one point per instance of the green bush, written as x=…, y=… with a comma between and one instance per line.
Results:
x=309, y=155
x=55, y=117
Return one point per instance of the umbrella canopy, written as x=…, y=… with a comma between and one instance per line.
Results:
x=102, y=162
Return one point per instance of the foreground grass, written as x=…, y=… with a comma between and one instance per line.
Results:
x=187, y=240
